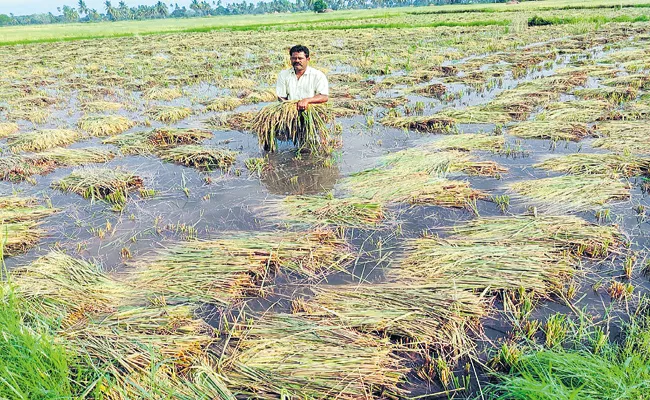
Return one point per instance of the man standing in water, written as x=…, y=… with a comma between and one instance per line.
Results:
x=302, y=82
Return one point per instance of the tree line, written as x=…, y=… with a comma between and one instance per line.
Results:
x=121, y=11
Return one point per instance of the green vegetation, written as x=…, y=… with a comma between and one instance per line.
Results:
x=110, y=185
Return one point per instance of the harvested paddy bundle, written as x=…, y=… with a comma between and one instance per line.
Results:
x=469, y=142
x=99, y=106
x=575, y=111
x=554, y=130
x=8, y=128
x=435, y=316
x=394, y=186
x=165, y=94
x=564, y=232
x=613, y=94
x=17, y=237
x=319, y=210
x=169, y=114
x=223, y=104
x=198, y=156
x=107, y=184
x=42, y=139
x=425, y=159
x=284, y=355
x=433, y=124
x=68, y=289
x=464, y=264
x=309, y=129
x=228, y=269
x=571, y=193
x=624, y=136
x=148, y=141
x=598, y=164
x=105, y=125
x=475, y=115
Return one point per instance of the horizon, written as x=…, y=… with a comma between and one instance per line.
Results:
x=27, y=7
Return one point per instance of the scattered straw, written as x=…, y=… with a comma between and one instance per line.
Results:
x=106, y=184
x=432, y=124
x=200, y=157
x=598, y=164
x=8, y=128
x=147, y=141
x=169, y=114
x=105, y=125
x=554, y=130
x=41, y=139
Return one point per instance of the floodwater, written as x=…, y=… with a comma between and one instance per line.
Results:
x=216, y=203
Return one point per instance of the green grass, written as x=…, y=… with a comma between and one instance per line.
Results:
x=32, y=366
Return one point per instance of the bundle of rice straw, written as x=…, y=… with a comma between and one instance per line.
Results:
x=283, y=121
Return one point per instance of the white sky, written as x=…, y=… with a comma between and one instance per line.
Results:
x=23, y=7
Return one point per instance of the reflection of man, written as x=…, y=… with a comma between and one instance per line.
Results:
x=302, y=82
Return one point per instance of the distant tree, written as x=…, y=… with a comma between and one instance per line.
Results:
x=161, y=9
x=111, y=12
x=83, y=9
x=6, y=20
x=93, y=15
x=319, y=6
x=70, y=14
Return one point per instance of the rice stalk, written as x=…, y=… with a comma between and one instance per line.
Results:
x=613, y=94
x=241, y=121
x=43, y=139
x=287, y=356
x=165, y=94
x=105, y=125
x=259, y=96
x=434, y=316
x=475, y=115
x=99, y=106
x=71, y=157
x=228, y=269
x=575, y=111
x=17, y=168
x=223, y=104
x=431, y=124
x=362, y=106
x=440, y=163
x=554, y=130
x=469, y=142
x=144, y=142
x=309, y=129
x=323, y=211
x=169, y=114
x=7, y=129
x=17, y=237
x=198, y=156
x=105, y=184
x=33, y=115
x=598, y=164
x=624, y=136
x=571, y=193
x=634, y=81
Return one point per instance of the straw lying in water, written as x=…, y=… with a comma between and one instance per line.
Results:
x=598, y=164
x=571, y=193
x=105, y=125
x=241, y=121
x=42, y=139
x=554, y=130
x=147, y=141
x=309, y=129
x=433, y=124
x=18, y=223
x=318, y=211
x=567, y=233
x=613, y=94
x=435, y=316
x=622, y=136
x=469, y=141
x=223, y=104
x=99, y=106
x=17, y=237
x=475, y=115
x=106, y=184
x=7, y=128
x=292, y=357
x=224, y=270
x=169, y=114
x=635, y=81
x=425, y=159
x=166, y=94
x=198, y=156
x=362, y=106
x=34, y=115
x=575, y=111
x=465, y=264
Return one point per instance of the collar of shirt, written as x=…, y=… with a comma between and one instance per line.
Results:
x=308, y=71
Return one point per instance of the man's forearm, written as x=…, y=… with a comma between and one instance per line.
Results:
x=318, y=99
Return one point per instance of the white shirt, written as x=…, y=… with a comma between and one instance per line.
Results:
x=311, y=83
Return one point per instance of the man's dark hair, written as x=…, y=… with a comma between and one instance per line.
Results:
x=299, y=48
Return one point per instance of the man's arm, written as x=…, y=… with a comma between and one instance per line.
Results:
x=318, y=99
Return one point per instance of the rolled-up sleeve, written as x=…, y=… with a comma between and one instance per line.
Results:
x=281, y=86
x=322, y=86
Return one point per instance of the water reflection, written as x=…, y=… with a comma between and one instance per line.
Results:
x=287, y=175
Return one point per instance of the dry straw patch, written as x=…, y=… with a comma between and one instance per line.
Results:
x=469, y=142
x=43, y=139
x=105, y=125
x=166, y=94
x=201, y=157
x=99, y=106
x=285, y=355
x=7, y=129
x=624, y=136
x=554, y=130
x=169, y=114
x=144, y=142
x=228, y=269
x=598, y=164
x=19, y=218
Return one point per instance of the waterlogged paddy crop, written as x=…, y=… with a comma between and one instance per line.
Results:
x=474, y=169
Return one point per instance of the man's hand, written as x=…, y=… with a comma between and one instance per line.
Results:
x=302, y=104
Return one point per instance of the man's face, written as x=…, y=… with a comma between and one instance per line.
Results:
x=298, y=61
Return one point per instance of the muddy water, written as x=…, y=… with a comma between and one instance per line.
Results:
x=214, y=203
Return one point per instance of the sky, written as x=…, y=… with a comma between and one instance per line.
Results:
x=23, y=7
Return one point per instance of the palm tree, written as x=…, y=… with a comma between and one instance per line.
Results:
x=83, y=9
x=161, y=9
x=111, y=12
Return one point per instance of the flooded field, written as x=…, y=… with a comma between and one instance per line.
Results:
x=488, y=199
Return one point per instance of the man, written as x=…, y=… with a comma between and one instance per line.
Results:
x=302, y=82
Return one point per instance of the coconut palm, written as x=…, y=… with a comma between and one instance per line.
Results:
x=81, y=5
